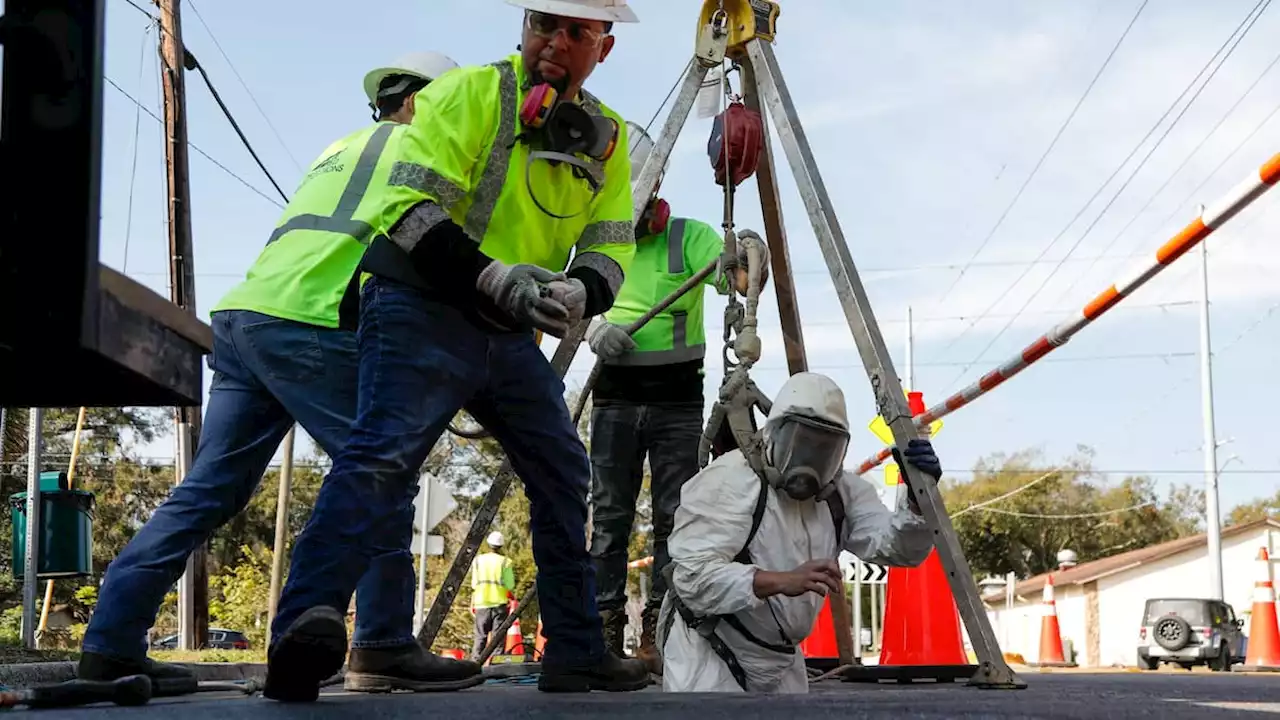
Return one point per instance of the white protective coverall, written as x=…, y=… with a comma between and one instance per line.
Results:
x=711, y=528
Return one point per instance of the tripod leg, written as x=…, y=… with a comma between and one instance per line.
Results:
x=890, y=400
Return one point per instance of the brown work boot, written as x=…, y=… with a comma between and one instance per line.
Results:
x=649, y=652
x=615, y=623
x=408, y=667
x=610, y=673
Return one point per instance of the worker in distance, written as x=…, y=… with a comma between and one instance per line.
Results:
x=755, y=541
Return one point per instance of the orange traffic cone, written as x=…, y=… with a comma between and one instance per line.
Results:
x=921, y=623
x=515, y=641
x=1051, y=654
x=540, y=640
x=1264, y=635
x=821, y=642
x=454, y=653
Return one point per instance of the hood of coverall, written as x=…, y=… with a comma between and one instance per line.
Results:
x=806, y=435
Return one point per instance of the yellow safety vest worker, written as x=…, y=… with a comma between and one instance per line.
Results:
x=466, y=153
x=492, y=577
x=305, y=272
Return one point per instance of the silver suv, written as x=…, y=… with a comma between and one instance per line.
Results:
x=1190, y=631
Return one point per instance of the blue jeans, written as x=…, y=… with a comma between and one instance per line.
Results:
x=420, y=362
x=622, y=434
x=268, y=372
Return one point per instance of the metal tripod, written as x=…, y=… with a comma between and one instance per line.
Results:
x=743, y=32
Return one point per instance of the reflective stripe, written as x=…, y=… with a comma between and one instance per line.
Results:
x=675, y=247
x=608, y=268
x=357, y=185
x=426, y=181
x=679, y=329
x=485, y=195
x=661, y=357
x=605, y=232
x=420, y=220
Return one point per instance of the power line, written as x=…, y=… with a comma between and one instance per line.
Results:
x=1052, y=144
x=143, y=10
x=1247, y=25
x=244, y=85
x=137, y=127
x=193, y=146
x=1075, y=516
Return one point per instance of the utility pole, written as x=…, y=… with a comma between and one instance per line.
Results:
x=193, y=588
x=1213, y=527
x=31, y=551
x=420, y=599
x=282, y=530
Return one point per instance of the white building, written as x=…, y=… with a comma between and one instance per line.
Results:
x=1100, y=603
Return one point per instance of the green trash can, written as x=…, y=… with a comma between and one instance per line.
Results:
x=65, y=535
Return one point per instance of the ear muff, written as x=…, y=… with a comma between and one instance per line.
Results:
x=538, y=105
x=654, y=219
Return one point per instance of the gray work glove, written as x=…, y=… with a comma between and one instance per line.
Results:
x=572, y=294
x=520, y=291
x=608, y=341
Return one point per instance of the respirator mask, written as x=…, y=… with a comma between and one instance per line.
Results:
x=560, y=131
x=805, y=456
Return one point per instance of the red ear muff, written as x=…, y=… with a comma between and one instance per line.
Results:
x=537, y=106
x=659, y=214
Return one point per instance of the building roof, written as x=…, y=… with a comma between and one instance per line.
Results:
x=1094, y=569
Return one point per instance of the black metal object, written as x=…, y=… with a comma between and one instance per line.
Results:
x=910, y=673
x=71, y=331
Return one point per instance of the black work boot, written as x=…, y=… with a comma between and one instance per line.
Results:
x=610, y=673
x=166, y=680
x=649, y=652
x=308, y=653
x=615, y=623
x=408, y=667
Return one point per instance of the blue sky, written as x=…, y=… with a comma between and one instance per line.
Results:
x=925, y=117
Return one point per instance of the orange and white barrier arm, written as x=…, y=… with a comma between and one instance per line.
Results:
x=1211, y=218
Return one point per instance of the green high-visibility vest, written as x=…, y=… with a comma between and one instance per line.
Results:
x=663, y=262
x=492, y=577
x=311, y=257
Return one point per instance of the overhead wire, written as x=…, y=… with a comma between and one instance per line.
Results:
x=1048, y=150
x=1072, y=516
x=193, y=146
x=137, y=127
x=1159, y=191
x=243, y=84
x=1246, y=25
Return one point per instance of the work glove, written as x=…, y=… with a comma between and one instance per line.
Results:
x=921, y=456
x=572, y=294
x=608, y=341
x=520, y=291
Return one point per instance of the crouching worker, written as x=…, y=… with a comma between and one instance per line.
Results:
x=753, y=550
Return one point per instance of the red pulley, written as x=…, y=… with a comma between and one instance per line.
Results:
x=737, y=137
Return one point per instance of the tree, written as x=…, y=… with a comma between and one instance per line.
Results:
x=1018, y=511
x=1259, y=509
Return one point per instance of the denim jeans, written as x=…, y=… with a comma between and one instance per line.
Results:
x=420, y=362
x=621, y=436
x=267, y=374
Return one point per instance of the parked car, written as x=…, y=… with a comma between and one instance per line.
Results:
x=219, y=639
x=1190, y=631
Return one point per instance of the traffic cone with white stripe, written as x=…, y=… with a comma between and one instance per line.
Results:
x=1051, y=654
x=514, y=644
x=1264, y=634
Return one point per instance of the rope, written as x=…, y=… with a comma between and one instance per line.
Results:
x=1079, y=516
x=1009, y=494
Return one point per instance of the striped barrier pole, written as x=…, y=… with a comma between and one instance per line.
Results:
x=1211, y=218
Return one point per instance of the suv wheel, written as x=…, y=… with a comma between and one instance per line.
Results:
x=1222, y=663
x=1148, y=663
x=1172, y=633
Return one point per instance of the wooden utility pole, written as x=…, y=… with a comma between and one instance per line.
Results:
x=193, y=589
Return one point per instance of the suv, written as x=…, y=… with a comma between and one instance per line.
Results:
x=219, y=639
x=1190, y=631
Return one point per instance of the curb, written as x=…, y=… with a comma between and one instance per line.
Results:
x=28, y=674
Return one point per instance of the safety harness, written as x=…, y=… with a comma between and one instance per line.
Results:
x=706, y=625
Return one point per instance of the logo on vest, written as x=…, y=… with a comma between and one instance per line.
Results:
x=327, y=165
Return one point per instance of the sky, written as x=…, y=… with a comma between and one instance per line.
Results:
x=926, y=119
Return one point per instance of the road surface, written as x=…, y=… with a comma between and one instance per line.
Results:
x=1048, y=695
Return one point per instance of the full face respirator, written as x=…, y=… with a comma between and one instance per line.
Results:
x=560, y=131
x=805, y=456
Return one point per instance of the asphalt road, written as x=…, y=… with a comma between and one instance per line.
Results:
x=1065, y=695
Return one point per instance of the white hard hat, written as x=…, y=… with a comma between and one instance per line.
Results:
x=606, y=10
x=495, y=539
x=427, y=65
x=813, y=396
x=639, y=145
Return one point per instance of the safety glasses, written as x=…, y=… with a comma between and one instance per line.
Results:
x=546, y=26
